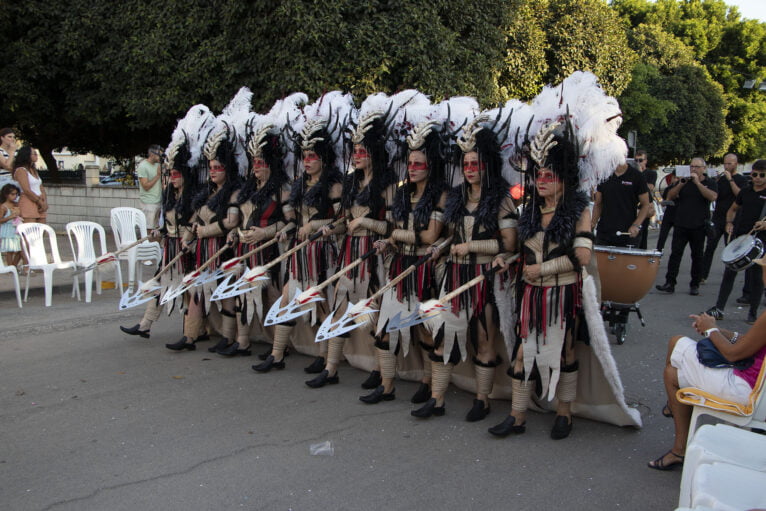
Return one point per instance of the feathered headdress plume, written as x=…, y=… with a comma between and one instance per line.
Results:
x=225, y=142
x=326, y=129
x=587, y=133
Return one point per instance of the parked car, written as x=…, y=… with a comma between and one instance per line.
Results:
x=115, y=179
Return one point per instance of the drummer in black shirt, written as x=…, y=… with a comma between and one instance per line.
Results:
x=729, y=185
x=616, y=203
x=742, y=217
x=692, y=197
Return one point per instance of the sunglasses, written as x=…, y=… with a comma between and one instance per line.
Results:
x=640, y=160
x=758, y=174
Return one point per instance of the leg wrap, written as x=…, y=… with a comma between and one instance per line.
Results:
x=151, y=314
x=281, y=336
x=567, y=389
x=485, y=377
x=228, y=325
x=335, y=350
x=387, y=361
x=440, y=376
x=192, y=327
x=243, y=330
x=520, y=390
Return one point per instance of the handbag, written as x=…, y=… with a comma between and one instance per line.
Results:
x=709, y=356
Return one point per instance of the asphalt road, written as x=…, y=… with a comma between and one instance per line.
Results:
x=92, y=419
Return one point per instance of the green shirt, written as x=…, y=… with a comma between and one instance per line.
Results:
x=149, y=171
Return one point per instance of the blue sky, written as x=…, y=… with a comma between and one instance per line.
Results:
x=753, y=9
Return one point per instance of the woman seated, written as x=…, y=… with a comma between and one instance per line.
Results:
x=683, y=369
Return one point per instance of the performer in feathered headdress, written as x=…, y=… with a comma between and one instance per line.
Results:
x=216, y=213
x=184, y=156
x=368, y=191
x=314, y=202
x=573, y=146
x=482, y=218
x=263, y=204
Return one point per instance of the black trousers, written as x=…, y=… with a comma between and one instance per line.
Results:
x=696, y=240
x=713, y=237
x=753, y=282
x=665, y=226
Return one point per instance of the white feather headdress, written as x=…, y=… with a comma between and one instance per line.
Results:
x=594, y=118
x=230, y=125
x=328, y=120
x=191, y=130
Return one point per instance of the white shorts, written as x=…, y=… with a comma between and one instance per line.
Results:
x=720, y=382
x=152, y=214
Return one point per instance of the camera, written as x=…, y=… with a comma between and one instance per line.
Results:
x=683, y=179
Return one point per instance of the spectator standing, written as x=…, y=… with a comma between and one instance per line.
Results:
x=692, y=196
x=7, y=149
x=10, y=242
x=616, y=207
x=743, y=216
x=33, y=202
x=650, y=176
x=149, y=173
x=669, y=215
x=729, y=184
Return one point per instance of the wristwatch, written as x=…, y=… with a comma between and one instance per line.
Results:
x=711, y=330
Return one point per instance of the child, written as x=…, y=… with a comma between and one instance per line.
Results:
x=10, y=242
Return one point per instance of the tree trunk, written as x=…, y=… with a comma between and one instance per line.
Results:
x=50, y=162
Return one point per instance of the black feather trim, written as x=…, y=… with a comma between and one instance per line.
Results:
x=561, y=229
x=401, y=206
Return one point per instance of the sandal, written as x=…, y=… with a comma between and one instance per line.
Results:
x=659, y=463
x=666, y=411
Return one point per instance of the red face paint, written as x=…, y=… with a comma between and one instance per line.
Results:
x=417, y=165
x=546, y=176
x=174, y=174
x=217, y=168
x=473, y=166
x=361, y=153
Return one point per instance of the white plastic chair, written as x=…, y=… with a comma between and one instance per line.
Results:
x=33, y=244
x=15, y=275
x=728, y=487
x=81, y=236
x=129, y=225
x=721, y=443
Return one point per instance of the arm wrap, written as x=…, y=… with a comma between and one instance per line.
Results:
x=287, y=228
x=560, y=264
x=404, y=236
x=508, y=223
x=210, y=231
x=269, y=231
x=376, y=226
x=438, y=216
x=489, y=247
x=581, y=242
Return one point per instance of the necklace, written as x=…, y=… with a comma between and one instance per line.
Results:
x=471, y=198
x=545, y=211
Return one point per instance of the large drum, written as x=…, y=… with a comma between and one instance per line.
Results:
x=626, y=274
x=740, y=253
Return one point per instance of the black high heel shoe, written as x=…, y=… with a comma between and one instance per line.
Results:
x=233, y=350
x=323, y=379
x=507, y=427
x=428, y=410
x=223, y=343
x=562, y=426
x=422, y=395
x=316, y=366
x=269, y=364
x=478, y=411
x=373, y=381
x=134, y=330
x=181, y=345
x=378, y=395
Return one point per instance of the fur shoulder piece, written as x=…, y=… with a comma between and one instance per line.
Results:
x=453, y=208
x=562, y=228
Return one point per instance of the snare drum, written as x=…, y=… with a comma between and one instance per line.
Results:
x=740, y=253
x=626, y=274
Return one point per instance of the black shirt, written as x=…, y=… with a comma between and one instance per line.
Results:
x=693, y=209
x=726, y=196
x=750, y=205
x=619, y=200
x=651, y=177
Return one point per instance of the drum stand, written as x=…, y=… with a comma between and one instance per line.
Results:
x=617, y=315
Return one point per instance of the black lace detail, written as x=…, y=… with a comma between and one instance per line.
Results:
x=318, y=196
x=563, y=225
x=219, y=201
x=485, y=213
x=401, y=206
